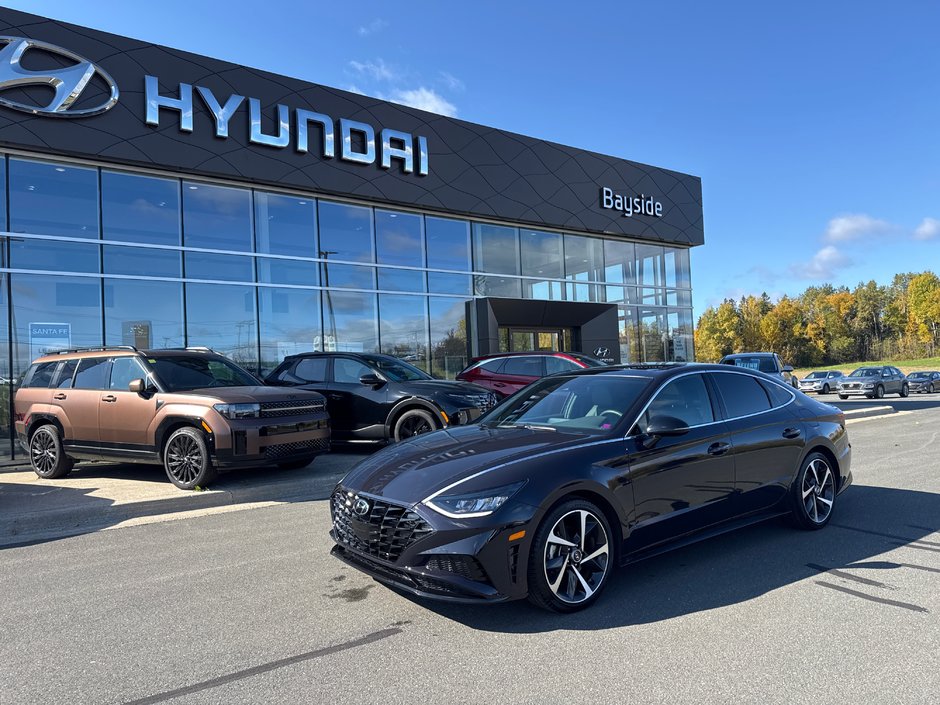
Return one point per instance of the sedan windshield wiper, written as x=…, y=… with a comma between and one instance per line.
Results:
x=528, y=426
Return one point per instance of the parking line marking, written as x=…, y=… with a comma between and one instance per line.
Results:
x=872, y=598
x=848, y=576
x=906, y=539
x=914, y=545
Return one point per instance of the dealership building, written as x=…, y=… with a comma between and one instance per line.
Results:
x=159, y=198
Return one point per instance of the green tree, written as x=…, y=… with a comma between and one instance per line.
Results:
x=718, y=332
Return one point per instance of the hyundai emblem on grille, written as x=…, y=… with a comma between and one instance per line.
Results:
x=361, y=507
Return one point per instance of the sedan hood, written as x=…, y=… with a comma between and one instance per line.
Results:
x=409, y=472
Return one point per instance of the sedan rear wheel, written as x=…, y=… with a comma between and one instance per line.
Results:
x=905, y=390
x=570, y=558
x=814, y=492
x=930, y=389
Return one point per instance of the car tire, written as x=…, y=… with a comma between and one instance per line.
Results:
x=46, y=454
x=930, y=388
x=186, y=459
x=905, y=390
x=554, y=583
x=413, y=422
x=296, y=464
x=843, y=397
x=825, y=389
x=813, y=492
x=879, y=392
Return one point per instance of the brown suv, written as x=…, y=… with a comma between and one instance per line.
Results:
x=192, y=410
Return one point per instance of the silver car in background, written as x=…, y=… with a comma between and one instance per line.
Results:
x=823, y=382
x=874, y=383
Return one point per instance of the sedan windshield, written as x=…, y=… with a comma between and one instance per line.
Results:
x=587, y=404
x=179, y=373
x=866, y=372
x=918, y=375
x=395, y=369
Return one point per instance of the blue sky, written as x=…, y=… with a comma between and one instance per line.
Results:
x=815, y=126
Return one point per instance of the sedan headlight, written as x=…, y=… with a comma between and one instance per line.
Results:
x=239, y=411
x=475, y=504
x=869, y=385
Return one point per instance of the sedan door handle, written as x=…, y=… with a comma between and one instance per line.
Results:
x=792, y=433
x=719, y=448
x=110, y=398
x=59, y=397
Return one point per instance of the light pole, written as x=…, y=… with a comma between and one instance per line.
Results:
x=325, y=254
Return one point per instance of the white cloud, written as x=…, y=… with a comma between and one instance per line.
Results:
x=451, y=81
x=376, y=25
x=353, y=88
x=823, y=265
x=845, y=228
x=377, y=70
x=425, y=99
x=928, y=229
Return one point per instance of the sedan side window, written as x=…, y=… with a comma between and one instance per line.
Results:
x=743, y=395
x=311, y=369
x=346, y=371
x=685, y=398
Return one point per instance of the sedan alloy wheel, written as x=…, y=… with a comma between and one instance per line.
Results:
x=816, y=488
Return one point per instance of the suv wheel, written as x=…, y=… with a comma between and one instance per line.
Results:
x=905, y=390
x=186, y=459
x=46, y=454
x=879, y=392
x=825, y=389
x=413, y=422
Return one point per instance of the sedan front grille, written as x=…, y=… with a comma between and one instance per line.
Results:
x=274, y=409
x=382, y=529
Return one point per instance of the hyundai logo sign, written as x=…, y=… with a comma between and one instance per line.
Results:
x=68, y=82
x=601, y=352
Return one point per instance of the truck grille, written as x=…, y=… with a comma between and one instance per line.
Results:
x=274, y=409
x=283, y=450
x=384, y=530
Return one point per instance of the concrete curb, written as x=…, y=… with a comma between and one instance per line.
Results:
x=869, y=411
x=75, y=519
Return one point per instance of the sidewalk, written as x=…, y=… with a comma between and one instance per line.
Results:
x=97, y=495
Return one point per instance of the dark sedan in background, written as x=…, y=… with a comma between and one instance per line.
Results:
x=379, y=398
x=579, y=473
x=926, y=382
x=507, y=373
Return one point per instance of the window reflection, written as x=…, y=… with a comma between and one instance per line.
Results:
x=497, y=286
x=145, y=314
x=347, y=276
x=653, y=334
x=54, y=255
x=584, y=258
x=216, y=217
x=677, y=268
x=619, y=262
x=398, y=238
x=400, y=280
x=536, y=289
x=495, y=249
x=286, y=225
x=222, y=317
x=139, y=208
x=403, y=328
x=53, y=199
x=350, y=322
x=629, y=339
x=288, y=271
x=448, y=243
x=649, y=265
x=542, y=254
x=345, y=232
x=448, y=325
x=141, y=261
x=205, y=265
x=444, y=283
x=290, y=324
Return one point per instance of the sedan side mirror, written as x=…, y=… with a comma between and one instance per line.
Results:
x=371, y=380
x=663, y=426
x=137, y=386
x=788, y=368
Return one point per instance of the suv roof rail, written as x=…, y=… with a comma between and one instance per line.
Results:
x=200, y=348
x=97, y=348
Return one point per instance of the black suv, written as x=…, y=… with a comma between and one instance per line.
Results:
x=378, y=398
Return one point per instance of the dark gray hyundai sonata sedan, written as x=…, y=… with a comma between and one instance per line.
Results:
x=579, y=473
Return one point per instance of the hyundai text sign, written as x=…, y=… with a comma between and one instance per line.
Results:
x=631, y=205
x=68, y=82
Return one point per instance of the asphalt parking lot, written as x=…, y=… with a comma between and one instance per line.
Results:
x=249, y=607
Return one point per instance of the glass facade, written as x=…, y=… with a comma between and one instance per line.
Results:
x=97, y=255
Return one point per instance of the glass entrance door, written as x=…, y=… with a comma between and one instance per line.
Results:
x=528, y=339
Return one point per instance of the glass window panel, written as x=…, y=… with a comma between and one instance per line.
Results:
x=649, y=265
x=400, y=280
x=205, y=265
x=619, y=262
x=53, y=199
x=742, y=395
x=141, y=261
x=345, y=232
x=286, y=225
x=53, y=313
x=216, y=217
x=448, y=243
x=350, y=322
x=403, y=328
x=678, y=297
x=139, y=208
x=92, y=373
x=398, y=238
x=348, y=276
x=621, y=294
x=537, y=289
x=442, y=283
x=448, y=323
x=290, y=324
x=542, y=254
x=123, y=371
x=495, y=249
x=66, y=372
x=653, y=332
x=497, y=286
x=584, y=258
x=348, y=370
x=222, y=317
x=581, y=292
x=653, y=297
x=54, y=255
x=145, y=314
x=287, y=271
x=3, y=202
x=677, y=268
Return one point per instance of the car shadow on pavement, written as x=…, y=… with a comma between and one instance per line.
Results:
x=743, y=565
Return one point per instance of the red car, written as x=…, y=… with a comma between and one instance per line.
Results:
x=507, y=373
